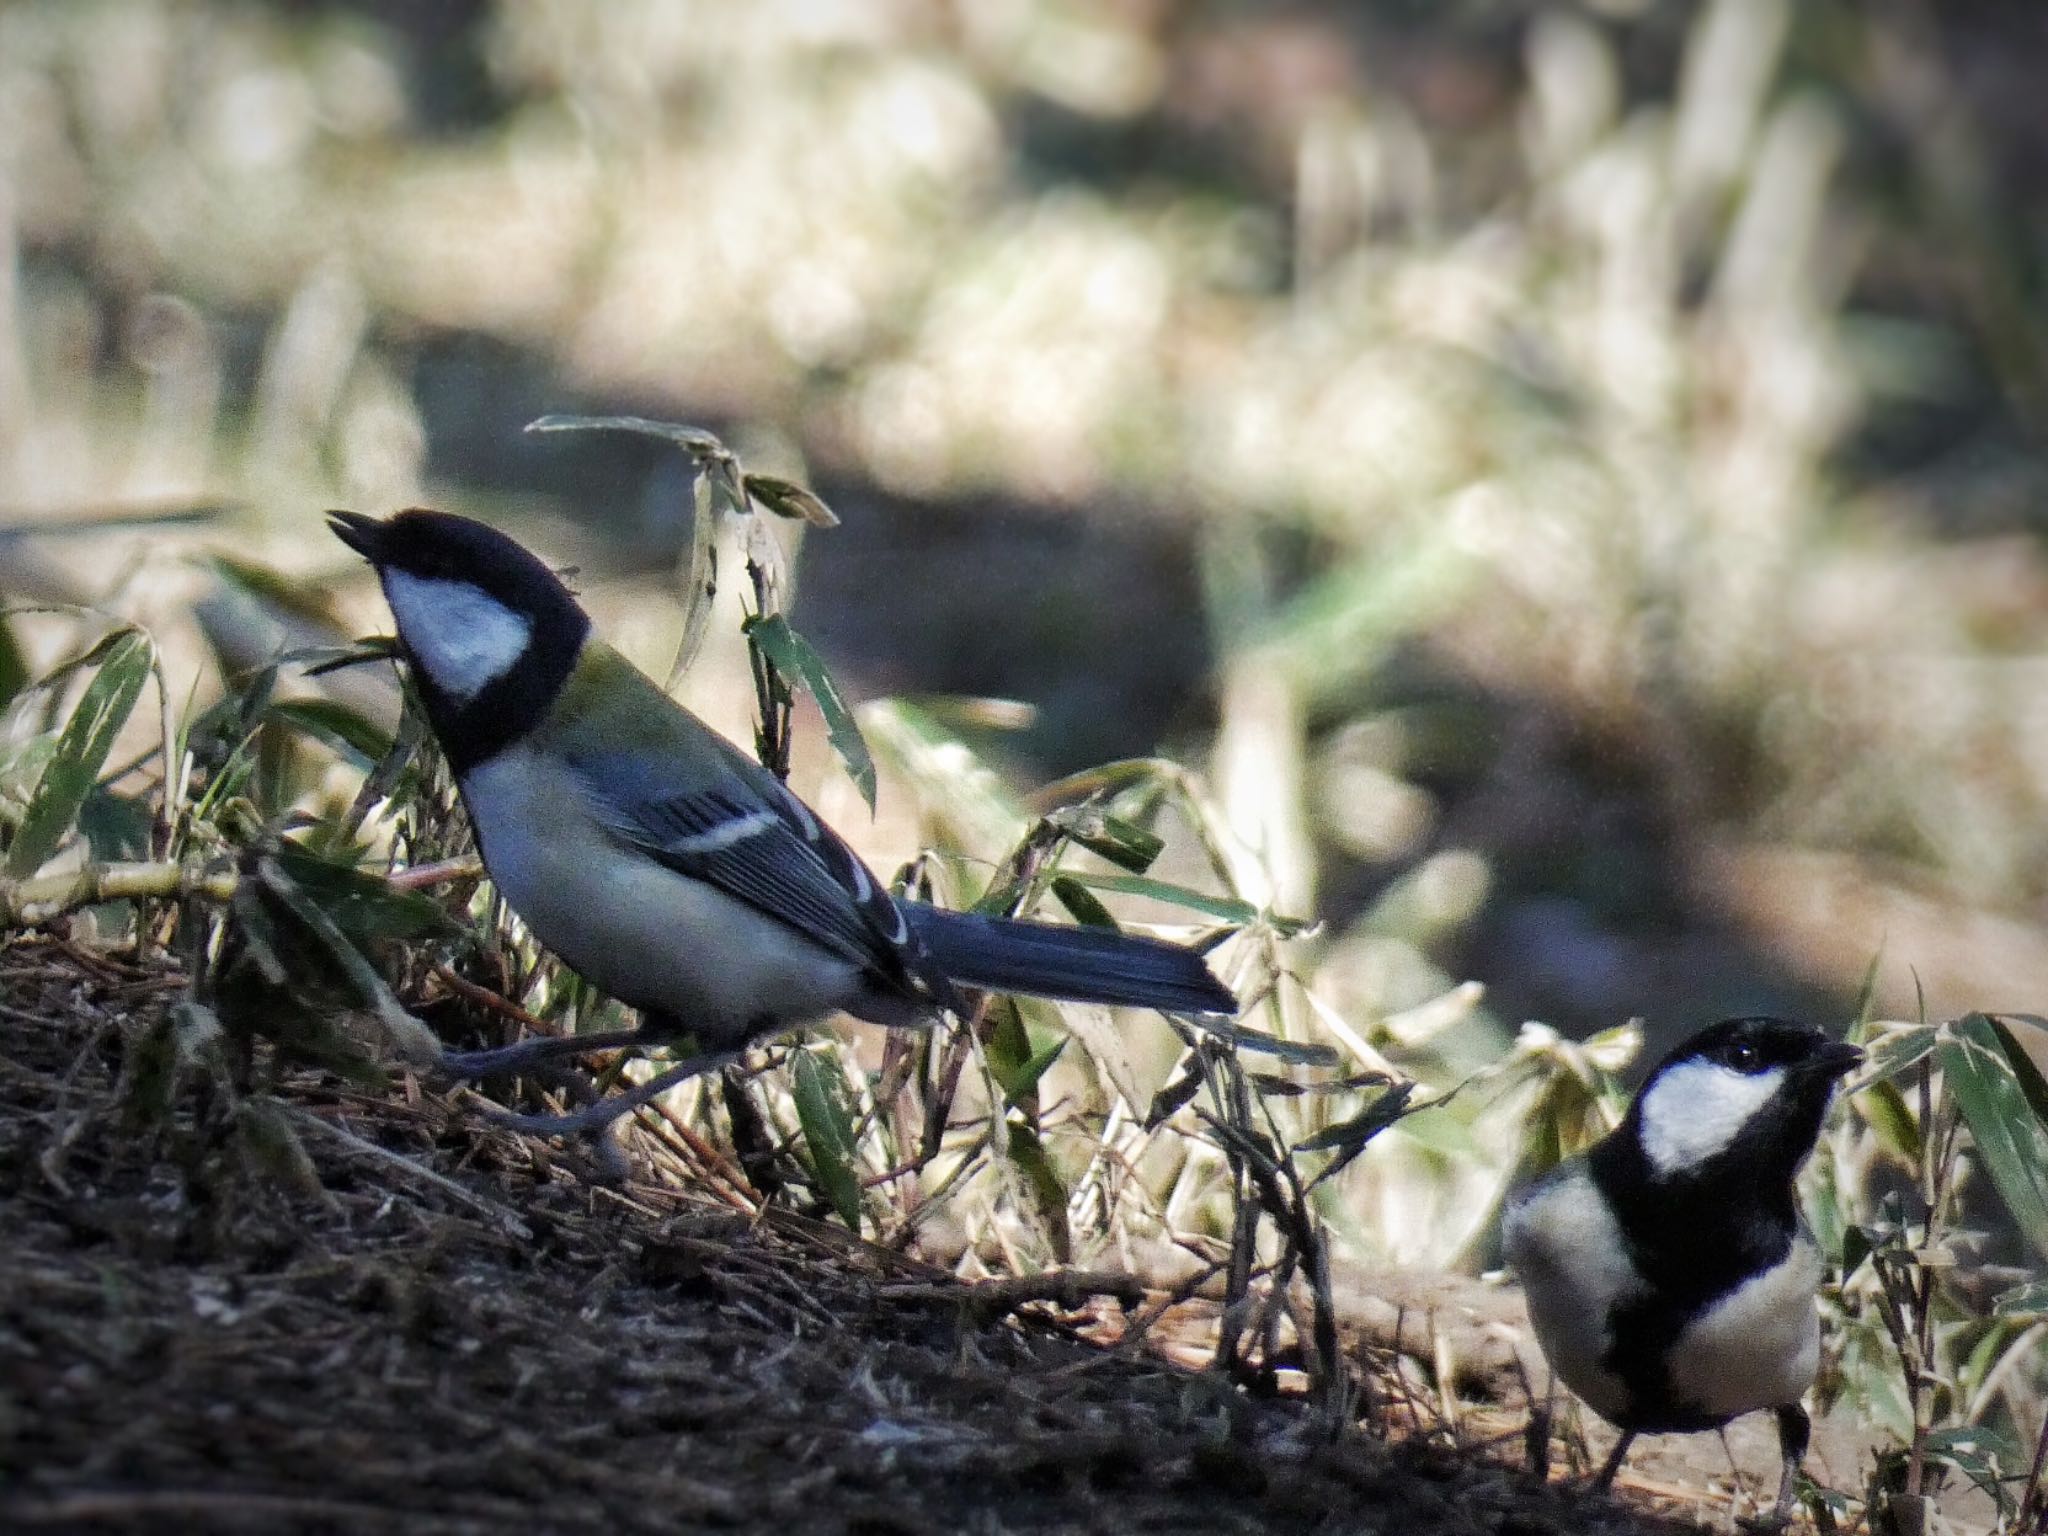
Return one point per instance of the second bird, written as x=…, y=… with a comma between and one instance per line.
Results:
x=1671, y=1283
x=664, y=865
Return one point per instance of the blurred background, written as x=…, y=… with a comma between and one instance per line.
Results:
x=1570, y=476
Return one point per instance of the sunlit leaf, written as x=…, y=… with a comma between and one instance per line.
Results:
x=2011, y=1142
x=793, y=656
x=2013, y=1031
x=1884, y=1110
x=969, y=805
x=2028, y=1301
x=1893, y=1055
x=694, y=440
x=88, y=736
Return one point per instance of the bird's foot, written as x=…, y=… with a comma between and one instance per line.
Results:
x=527, y=1054
x=604, y=1112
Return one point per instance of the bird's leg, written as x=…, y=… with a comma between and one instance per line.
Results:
x=1795, y=1430
x=531, y=1053
x=601, y=1114
x=1612, y=1465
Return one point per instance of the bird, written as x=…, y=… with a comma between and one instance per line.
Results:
x=664, y=865
x=1670, y=1279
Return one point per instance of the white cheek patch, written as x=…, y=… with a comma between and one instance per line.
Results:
x=1696, y=1108
x=464, y=639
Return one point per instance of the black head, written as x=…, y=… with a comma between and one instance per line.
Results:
x=490, y=632
x=1744, y=1097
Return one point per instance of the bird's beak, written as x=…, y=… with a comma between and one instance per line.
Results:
x=364, y=535
x=1837, y=1058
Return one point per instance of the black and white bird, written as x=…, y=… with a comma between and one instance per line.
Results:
x=1671, y=1282
x=664, y=865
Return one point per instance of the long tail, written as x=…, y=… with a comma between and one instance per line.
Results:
x=1080, y=965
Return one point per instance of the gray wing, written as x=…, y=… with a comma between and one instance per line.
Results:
x=755, y=841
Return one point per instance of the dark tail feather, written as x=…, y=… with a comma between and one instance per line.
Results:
x=1078, y=965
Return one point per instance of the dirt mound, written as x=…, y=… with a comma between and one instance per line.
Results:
x=328, y=1311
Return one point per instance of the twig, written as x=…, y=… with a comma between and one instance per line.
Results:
x=44, y=898
x=990, y=1299
x=493, y=1002
x=439, y=872
x=511, y=1223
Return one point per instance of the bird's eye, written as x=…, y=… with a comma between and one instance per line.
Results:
x=1743, y=1056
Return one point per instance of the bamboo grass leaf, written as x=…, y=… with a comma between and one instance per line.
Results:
x=82, y=748
x=793, y=656
x=2011, y=1142
x=828, y=1132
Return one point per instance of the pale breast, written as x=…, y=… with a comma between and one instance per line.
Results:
x=641, y=932
x=1756, y=1347
x=1565, y=1247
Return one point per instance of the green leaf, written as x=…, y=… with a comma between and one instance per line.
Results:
x=1349, y=1138
x=1224, y=908
x=828, y=1132
x=790, y=654
x=362, y=906
x=14, y=673
x=1983, y=1455
x=1866, y=995
x=1042, y=1184
x=1896, y=1054
x=2008, y=1028
x=2011, y=1142
x=344, y=729
x=1122, y=842
x=785, y=498
x=88, y=736
x=2027, y=1301
x=335, y=948
x=116, y=826
x=1078, y=900
x=1303, y=1052
x=1034, y=1068
x=1884, y=1110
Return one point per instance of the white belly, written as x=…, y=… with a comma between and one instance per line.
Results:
x=1758, y=1346
x=1570, y=1257
x=644, y=934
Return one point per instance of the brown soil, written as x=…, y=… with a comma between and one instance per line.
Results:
x=369, y=1313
